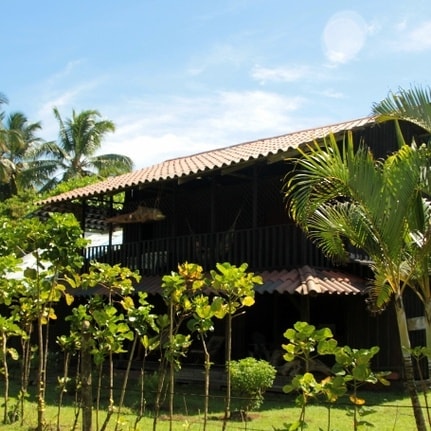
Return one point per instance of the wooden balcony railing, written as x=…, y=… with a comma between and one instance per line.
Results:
x=265, y=248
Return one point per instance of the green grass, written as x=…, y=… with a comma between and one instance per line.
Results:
x=391, y=411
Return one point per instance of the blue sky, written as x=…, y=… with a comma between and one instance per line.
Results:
x=183, y=76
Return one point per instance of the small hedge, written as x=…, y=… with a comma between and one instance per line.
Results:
x=250, y=378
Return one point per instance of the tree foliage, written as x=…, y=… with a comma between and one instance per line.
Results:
x=29, y=162
x=347, y=202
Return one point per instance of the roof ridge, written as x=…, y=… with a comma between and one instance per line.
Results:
x=208, y=160
x=283, y=135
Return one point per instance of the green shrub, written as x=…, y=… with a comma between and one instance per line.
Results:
x=250, y=379
x=151, y=381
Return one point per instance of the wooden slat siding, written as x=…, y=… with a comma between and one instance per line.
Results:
x=264, y=249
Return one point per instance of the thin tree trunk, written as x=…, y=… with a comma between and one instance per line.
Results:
x=63, y=388
x=40, y=379
x=6, y=380
x=111, y=393
x=408, y=364
x=86, y=378
x=228, y=374
x=141, y=411
x=99, y=393
x=171, y=394
x=171, y=366
x=126, y=379
x=78, y=400
x=160, y=385
x=207, y=380
x=160, y=378
x=25, y=368
x=424, y=387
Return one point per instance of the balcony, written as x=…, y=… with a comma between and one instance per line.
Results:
x=265, y=248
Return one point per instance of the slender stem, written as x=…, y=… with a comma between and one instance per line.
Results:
x=126, y=379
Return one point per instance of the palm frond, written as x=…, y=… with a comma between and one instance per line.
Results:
x=327, y=229
x=112, y=164
x=413, y=105
x=319, y=175
x=341, y=196
x=3, y=99
x=379, y=292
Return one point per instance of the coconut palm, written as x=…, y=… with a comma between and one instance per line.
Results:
x=18, y=140
x=342, y=197
x=5, y=167
x=74, y=155
x=3, y=101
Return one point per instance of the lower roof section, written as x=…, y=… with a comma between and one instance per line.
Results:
x=308, y=280
x=305, y=280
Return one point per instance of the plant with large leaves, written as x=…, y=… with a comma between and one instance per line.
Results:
x=55, y=246
x=342, y=197
x=234, y=289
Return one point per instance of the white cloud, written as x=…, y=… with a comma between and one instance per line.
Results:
x=218, y=54
x=182, y=126
x=146, y=149
x=65, y=89
x=401, y=25
x=332, y=94
x=65, y=101
x=232, y=54
x=344, y=37
x=69, y=69
x=279, y=74
x=416, y=39
x=254, y=111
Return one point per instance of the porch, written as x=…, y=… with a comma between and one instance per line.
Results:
x=264, y=249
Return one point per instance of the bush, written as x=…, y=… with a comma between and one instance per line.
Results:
x=151, y=381
x=250, y=378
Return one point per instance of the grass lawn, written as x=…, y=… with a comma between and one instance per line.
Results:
x=389, y=410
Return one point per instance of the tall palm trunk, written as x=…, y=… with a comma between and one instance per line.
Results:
x=426, y=379
x=408, y=364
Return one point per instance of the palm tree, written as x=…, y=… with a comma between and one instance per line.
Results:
x=341, y=197
x=18, y=140
x=3, y=101
x=414, y=105
x=5, y=167
x=74, y=155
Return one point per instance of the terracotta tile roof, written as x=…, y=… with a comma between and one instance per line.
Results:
x=305, y=280
x=308, y=281
x=209, y=160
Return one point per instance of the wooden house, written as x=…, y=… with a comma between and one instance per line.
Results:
x=227, y=205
